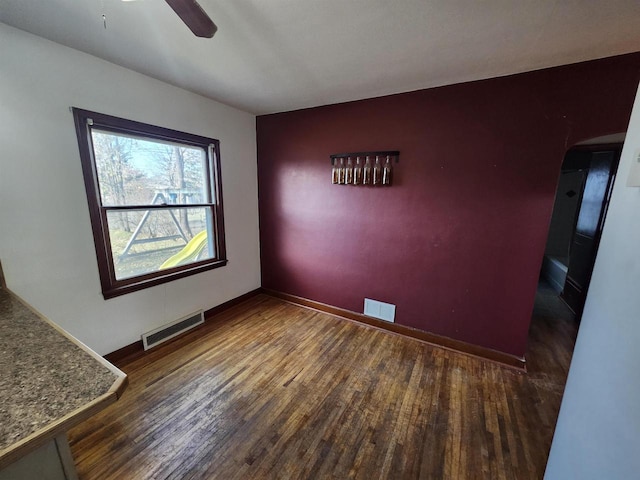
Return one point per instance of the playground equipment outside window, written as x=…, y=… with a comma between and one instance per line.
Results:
x=155, y=201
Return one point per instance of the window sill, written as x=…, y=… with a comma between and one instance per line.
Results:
x=123, y=287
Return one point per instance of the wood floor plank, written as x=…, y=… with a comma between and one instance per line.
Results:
x=273, y=390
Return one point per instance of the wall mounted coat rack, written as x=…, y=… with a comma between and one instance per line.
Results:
x=358, y=168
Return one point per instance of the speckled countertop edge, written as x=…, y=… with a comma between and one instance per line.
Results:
x=44, y=375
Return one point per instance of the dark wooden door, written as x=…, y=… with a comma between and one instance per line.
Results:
x=590, y=221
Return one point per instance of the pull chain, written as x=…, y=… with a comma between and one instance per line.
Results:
x=104, y=15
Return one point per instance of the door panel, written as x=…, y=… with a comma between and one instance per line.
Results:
x=581, y=259
x=595, y=191
x=584, y=246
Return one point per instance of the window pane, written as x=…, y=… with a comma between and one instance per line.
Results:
x=139, y=171
x=128, y=167
x=145, y=241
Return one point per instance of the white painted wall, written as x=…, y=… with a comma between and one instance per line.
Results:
x=46, y=244
x=598, y=432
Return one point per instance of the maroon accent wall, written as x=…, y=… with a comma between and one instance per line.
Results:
x=457, y=242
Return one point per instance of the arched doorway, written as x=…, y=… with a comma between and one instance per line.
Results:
x=586, y=180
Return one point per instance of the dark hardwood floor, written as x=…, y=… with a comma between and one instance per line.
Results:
x=273, y=390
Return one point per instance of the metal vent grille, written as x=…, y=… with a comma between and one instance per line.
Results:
x=170, y=330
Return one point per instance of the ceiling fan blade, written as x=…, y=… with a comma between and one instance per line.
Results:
x=192, y=14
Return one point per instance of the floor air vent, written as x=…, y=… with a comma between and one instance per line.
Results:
x=170, y=330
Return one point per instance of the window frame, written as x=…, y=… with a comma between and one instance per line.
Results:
x=85, y=121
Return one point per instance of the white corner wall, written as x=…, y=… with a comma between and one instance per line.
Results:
x=598, y=431
x=46, y=243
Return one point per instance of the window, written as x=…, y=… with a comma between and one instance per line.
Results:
x=155, y=201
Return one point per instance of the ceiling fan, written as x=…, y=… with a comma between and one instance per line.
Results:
x=194, y=17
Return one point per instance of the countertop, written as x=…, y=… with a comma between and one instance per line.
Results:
x=49, y=381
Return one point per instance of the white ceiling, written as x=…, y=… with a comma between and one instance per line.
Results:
x=278, y=55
